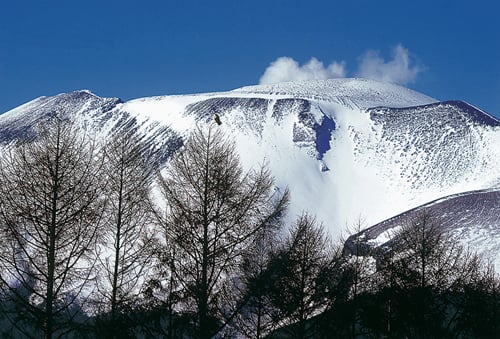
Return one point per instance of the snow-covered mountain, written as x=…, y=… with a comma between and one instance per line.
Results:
x=348, y=149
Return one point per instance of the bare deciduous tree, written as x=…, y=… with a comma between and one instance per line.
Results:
x=360, y=268
x=214, y=212
x=124, y=251
x=298, y=269
x=425, y=269
x=426, y=255
x=50, y=212
x=258, y=315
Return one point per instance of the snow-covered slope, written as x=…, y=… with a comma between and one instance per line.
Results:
x=472, y=217
x=87, y=109
x=361, y=93
x=85, y=105
x=348, y=149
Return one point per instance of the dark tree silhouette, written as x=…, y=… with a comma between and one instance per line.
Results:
x=478, y=304
x=425, y=269
x=258, y=315
x=354, y=280
x=298, y=273
x=50, y=211
x=125, y=248
x=214, y=212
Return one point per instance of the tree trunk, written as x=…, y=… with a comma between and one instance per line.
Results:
x=51, y=257
x=114, y=301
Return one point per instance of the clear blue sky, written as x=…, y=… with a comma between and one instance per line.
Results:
x=132, y=49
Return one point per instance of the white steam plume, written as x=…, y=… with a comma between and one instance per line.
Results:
x=287, y=69
x=371, y=66
x=397, y=70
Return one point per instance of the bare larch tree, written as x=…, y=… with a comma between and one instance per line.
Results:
x=297, y=270
x=215, y=210
x=124, y=251
x=50, y=211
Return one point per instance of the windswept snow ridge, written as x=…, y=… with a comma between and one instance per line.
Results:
x=360, y=93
